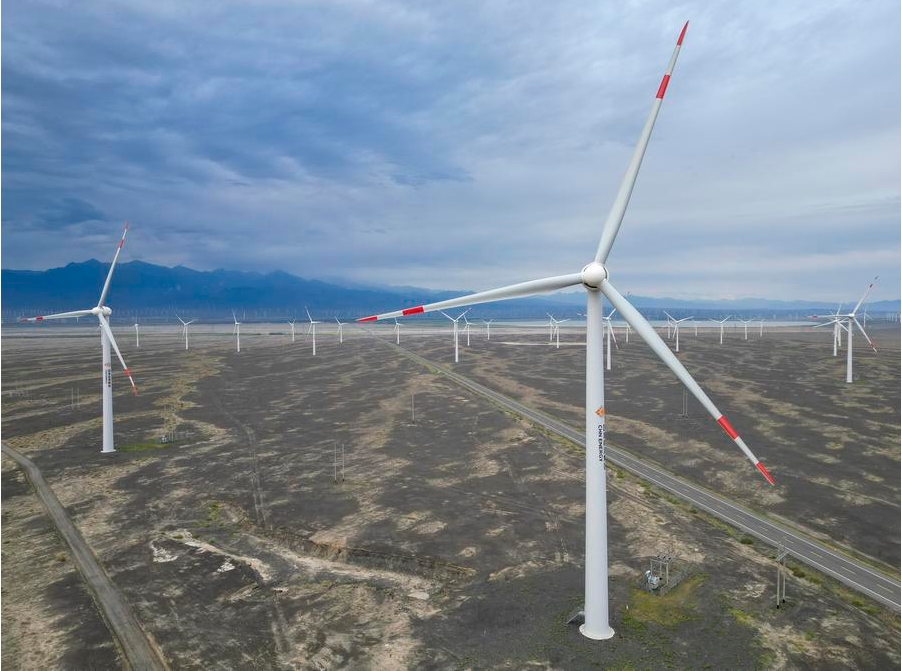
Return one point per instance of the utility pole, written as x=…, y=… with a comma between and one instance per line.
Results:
x=781, y=575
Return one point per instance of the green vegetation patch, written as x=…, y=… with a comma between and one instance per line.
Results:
x=142, y=447
x=670, y=609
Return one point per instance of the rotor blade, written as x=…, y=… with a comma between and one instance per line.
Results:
x=109, y=334
x=861, y=328
x=308, y=313
x=650, y=336
x=618, y=209
x=542, y=286
x=866, y=292
x=109, y=275
x=58, y=315
x=611, y=313
x=817, y=326
x=180, y=319
x=669, y=316
x=191, y=322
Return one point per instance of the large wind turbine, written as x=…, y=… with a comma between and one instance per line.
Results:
x=311, y=330
x=102, y=312
x=466, y=328
x=850, y=320
x=236, y=331
x=397, y=332
x=185, y=328
x=594, y=277
x=291, y=323
x=453, y=319
x=721, y=322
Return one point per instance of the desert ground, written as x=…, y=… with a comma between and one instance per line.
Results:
x=454, y=538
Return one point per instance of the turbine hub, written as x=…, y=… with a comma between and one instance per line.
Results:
x=593, y=275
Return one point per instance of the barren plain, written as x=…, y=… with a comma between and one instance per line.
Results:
x=454, y=539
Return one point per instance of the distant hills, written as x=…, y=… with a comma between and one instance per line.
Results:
x=157, y=292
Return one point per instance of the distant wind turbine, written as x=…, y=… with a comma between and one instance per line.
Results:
x=185, y=328
x=488, y=328
x=721, y=322
x=236, y=331
x=455, y=320
x=311, y=330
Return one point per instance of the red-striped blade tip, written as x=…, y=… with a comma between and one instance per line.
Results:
x=128, y=374
x=412, y=311
x=727, y=427
x=662, y=89
x=368, y=319
x=682, y=34
x=764, y=472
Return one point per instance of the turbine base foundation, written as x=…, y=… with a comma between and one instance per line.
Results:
x=603, y=636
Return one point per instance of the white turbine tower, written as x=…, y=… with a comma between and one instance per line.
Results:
x=838, y=327
x=137, y=335
x=745, y=326
x=850, y=320
x=670, y=321
x=488, y=328
x=185, y=328
x=676, y=331
x=236, y=331
x=453, y=319
x=467, y=329
x=102, y=312
x=609, y=327
x=556, y=330
x=594, y=278
x=341, y=324
x=291, y=324
x=721, y=322
x=397, y=332
x=311, y=330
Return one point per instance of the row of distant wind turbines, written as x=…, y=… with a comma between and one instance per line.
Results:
x=236, y=330
x=595, y=279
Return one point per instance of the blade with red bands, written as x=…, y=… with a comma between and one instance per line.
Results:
x=764, y=472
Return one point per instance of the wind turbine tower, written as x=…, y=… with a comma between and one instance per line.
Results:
x=102, y=312
x=594, y=279
x=185, y=328
x=721, y=322
x=311, y=330
x=236, y=331
x=455, y=320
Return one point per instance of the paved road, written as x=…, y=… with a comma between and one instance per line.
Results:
x=855, y=574
x=138, y=651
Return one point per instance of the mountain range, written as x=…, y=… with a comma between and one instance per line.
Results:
x=150, y=290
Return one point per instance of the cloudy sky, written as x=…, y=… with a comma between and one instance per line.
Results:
x=459, y=144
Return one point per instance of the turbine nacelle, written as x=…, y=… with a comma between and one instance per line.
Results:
x=593, y=275
x=101, y=310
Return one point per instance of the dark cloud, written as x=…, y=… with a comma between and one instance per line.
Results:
x=487, y=137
